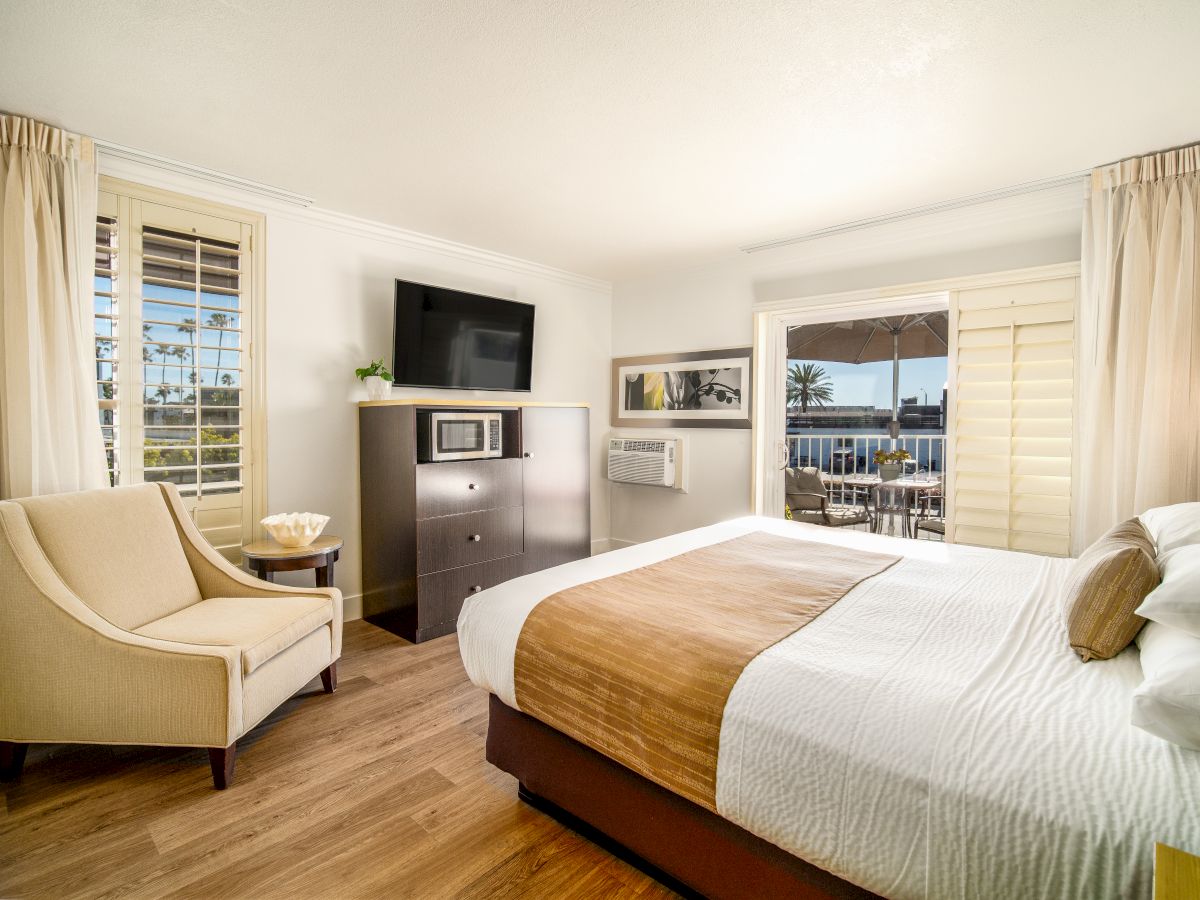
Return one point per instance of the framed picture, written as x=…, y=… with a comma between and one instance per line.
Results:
x=706, y=389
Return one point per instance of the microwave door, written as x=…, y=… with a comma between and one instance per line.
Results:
x=461, y=438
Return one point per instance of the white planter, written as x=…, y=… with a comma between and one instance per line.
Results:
x=377, y=388
x=889, y=471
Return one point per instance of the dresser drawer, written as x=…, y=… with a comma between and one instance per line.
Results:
x=442, y=593
x=447, y=542
x=450, y=488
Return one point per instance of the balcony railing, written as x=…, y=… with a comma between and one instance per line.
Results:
x=841, y=455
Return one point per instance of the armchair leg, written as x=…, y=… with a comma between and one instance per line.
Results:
x=221, y=759
x=329, y=677
x=12, y=760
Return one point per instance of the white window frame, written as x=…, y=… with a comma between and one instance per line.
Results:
x=772, y=320
x=190, y=214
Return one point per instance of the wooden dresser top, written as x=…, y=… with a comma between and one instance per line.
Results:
x=458, y=404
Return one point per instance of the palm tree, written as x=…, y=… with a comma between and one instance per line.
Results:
x=187, y=330
x=164, y=350
x=808, y=385
x=219, y=320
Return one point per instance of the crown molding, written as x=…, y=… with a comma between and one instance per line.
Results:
x=378, y=231
x=110, y=151
x=922, y=291
x=1056, y=207
x=276, y=203
x=1073, y=182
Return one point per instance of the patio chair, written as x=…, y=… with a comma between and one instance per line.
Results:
x=927, y=520
x=808, y=499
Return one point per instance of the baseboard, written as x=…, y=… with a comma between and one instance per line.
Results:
x=603, y=545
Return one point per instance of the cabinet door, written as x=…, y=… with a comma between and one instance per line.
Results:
x=554, y=450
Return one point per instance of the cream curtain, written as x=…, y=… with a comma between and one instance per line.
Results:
x=1138, y=416
x=50, y=437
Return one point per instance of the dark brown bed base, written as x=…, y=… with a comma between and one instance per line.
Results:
x=686, y=846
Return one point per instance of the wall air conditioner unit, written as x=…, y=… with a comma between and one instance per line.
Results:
x=653, y=461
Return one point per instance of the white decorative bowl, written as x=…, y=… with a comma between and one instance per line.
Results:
x=295, y=529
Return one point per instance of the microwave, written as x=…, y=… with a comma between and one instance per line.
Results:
x=464, y=435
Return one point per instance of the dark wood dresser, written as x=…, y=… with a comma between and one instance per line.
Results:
x=435, y=532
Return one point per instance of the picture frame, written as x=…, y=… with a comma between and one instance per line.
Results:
x=699, y=389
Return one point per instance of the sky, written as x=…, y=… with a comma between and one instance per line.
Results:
x=870, y=384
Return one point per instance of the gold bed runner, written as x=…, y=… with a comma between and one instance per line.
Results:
x=639, y=665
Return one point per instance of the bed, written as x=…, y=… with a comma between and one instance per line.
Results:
x=930, y=734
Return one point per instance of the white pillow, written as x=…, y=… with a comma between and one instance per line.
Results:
x=1167, y=704
x=1173, y=526
x=1176, y=601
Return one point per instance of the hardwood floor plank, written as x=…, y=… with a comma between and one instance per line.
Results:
x=378, y=790
x=549, y=869
x=298, y=847
x=44, y=873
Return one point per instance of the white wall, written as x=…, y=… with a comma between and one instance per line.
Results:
x=699, y=309
x=329, y=309
x=709, y=307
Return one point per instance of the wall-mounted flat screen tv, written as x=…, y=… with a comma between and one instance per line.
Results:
x=453, y=339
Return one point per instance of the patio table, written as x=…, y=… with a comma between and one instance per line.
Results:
x=909, y=486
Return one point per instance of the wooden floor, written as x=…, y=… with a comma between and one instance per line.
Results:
x=378, y=790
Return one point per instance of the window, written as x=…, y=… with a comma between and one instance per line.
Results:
x=192, y=361
x=175, y=310
x=107, y=311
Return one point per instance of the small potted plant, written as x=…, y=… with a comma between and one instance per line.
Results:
x=377, y=379
x=890, y=463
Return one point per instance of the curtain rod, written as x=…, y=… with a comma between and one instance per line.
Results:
x=1029, y=187
x=119, y=151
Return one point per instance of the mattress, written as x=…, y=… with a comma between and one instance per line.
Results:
x=930, y=735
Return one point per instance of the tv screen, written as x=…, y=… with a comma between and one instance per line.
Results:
x=452, y=339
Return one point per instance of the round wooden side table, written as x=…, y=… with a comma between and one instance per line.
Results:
x=268, y=557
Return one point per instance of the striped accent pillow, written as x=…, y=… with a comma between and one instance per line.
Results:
x=1106, y=585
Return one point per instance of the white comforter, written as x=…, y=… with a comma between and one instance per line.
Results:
x=930, y=735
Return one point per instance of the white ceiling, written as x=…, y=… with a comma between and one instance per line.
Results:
x=615, y=137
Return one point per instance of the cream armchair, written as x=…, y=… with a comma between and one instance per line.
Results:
x=120, y=624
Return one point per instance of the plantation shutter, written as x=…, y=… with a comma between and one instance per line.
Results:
x=192, y=277
x=1013, y=384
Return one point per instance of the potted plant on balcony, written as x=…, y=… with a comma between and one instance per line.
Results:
x=891, y=463
x=377, y=379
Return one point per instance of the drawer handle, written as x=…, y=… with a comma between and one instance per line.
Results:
x=476, y=588
x=476, y=537
x=528, y=454
x=472, y=486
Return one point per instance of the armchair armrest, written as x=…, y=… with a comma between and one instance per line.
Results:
x=71, y=675
x=217, y=577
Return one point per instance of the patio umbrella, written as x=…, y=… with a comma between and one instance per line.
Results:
x=874, y=340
